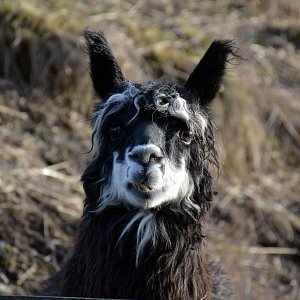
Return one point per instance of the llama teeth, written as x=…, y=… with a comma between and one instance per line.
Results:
x=142, y=187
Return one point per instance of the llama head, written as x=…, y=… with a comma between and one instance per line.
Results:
x=154, y=142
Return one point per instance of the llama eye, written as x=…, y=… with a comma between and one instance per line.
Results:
x=186, y=136
x=114, y=132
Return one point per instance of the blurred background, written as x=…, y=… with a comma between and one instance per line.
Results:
x=46, y=101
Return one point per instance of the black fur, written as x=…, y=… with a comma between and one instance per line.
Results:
x=106, y=74
x=206, y=78
x=172, y=263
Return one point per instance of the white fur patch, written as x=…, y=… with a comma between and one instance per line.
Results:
x=201, y=124
x=179, y=109
x=173, y=104
x=172, y=185
x=146, y=231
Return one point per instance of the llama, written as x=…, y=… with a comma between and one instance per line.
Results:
x=148, y=186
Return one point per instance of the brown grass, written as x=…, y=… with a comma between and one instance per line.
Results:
x=45, y=98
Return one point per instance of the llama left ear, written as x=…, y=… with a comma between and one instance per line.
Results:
x=207, y=77
x=105, y=72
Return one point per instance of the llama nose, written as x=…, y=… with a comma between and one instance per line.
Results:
x=146, y=154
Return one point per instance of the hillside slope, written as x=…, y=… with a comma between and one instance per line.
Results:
x=46, y=101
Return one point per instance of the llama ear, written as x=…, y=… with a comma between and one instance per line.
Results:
x=106, y=74
x=207, y=77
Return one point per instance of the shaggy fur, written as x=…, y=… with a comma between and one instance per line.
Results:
x=148, y=186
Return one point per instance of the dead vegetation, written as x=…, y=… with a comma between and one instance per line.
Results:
x=45, y=100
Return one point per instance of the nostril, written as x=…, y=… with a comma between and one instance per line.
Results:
x=134, y=156
x=146, y=155
x=154, y=157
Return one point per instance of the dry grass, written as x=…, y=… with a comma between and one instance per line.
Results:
x=45, y=98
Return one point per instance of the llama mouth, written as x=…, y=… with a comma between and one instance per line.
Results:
x=142, y=187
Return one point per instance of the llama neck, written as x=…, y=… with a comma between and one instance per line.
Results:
x=151, y=230
x=171, y=266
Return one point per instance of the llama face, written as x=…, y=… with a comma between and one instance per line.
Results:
x=155, y=142
x=150, y=130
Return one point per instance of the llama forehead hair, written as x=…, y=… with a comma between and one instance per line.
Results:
x=164, y=99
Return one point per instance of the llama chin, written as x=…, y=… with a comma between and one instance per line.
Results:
x=148, y=186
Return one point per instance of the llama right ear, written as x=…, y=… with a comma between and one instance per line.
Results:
x=106, y=74
x=206, y=79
